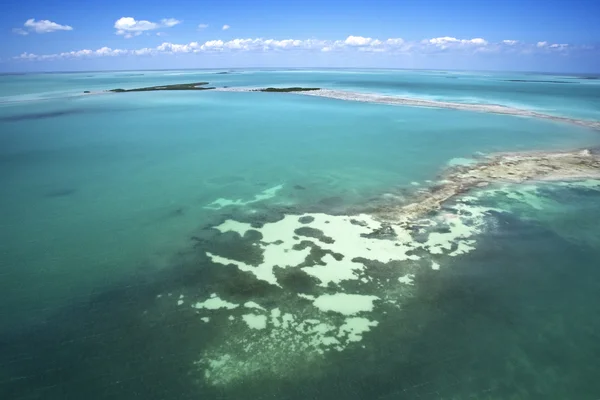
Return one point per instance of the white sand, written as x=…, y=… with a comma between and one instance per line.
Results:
x=334, y=271
x=251, y=304
x=348, y=242
x=459, y=161
x=255, y=321
x=234, y=226
x=306, y=296
x=346, y=304
x=250, y=351
x=407, y=279
x=459, y=232
x=264, y=195
x=215, y=303
x=355, y=327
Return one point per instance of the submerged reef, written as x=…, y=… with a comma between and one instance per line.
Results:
x=178, y=86
x=288, y=294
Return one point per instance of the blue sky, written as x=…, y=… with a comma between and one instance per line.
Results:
x=534, y=35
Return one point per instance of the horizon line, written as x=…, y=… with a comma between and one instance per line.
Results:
x=267, y=69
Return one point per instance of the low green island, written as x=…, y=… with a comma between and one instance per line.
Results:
x=289, y=89
x=178, y=86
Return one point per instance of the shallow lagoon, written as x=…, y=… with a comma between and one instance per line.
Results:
x=110, y=208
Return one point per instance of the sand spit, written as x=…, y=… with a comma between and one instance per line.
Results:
x=499, y=168
x=489, y=108
x=413, y=102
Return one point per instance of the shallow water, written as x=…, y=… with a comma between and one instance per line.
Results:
x=110, y=200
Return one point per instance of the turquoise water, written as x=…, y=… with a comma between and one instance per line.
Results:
x=109, y=202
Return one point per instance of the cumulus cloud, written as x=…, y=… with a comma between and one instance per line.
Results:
x=477, y=41
x=448, y=41
x=358, y=41
x=351, y=43
x=225, y=27
x=395, y=41
x=85, y=53
x=169, y=22
x=202, y=26
x=42, y=26
x=129, y=27
x=559, y=46
x=443, y=40
x=212, y=45
x=19, y=31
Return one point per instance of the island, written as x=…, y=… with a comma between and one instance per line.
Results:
x=285, y=90
x=535, y=81
x=178, y=86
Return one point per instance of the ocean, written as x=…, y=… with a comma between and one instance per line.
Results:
x=214, y=244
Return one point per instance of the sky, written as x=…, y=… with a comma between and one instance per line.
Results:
x=523, y=35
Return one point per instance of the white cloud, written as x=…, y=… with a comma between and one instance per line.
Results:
x=212, y=45
x=241, y=44
x=350, y=44
x=19, y=31
x=169, y=22
x=443, y=40
x=562, y=46
x=142, y=52
x=477, y=41
x=202, y=26
x=447, y=41
x=43, y=26
x=107, y=51
x=358, y=41
x=225, y=27
x=395, y=42
x=129, y=27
